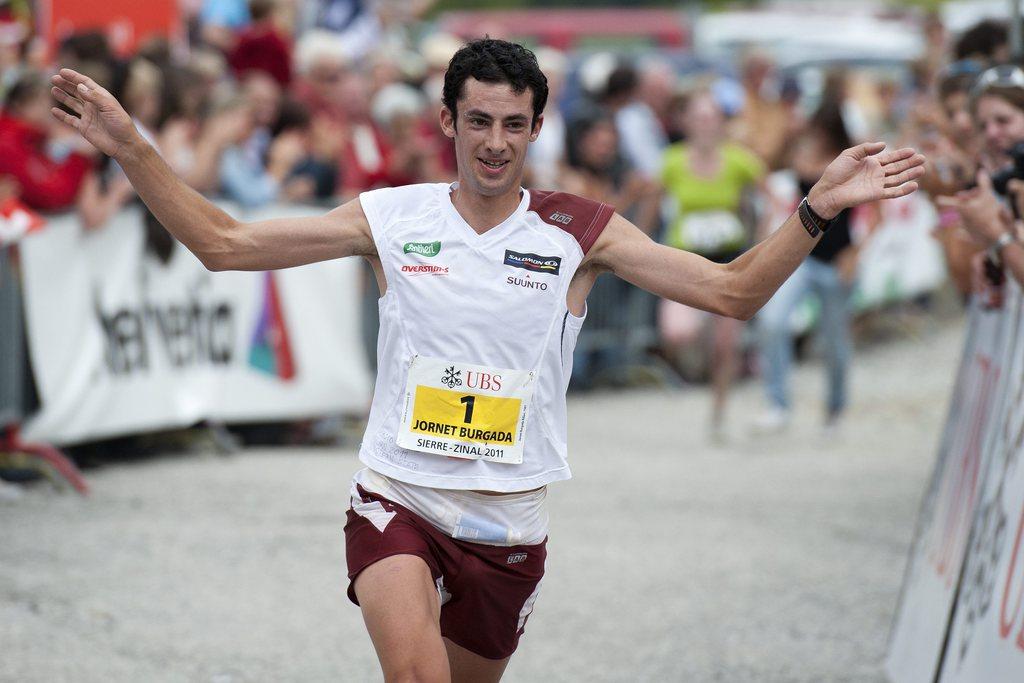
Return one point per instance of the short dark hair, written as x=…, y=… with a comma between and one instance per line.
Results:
x=1012, y=95
x=622, y=83
x=495, y=61
x=91, y=45
x=261, y=9
x=983, y=39
x=955, y=84
x=28, y=86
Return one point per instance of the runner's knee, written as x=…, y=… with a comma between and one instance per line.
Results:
x=419, y=672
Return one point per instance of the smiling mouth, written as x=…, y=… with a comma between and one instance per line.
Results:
x=493, y=164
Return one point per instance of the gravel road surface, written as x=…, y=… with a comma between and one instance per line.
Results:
x=670, y=559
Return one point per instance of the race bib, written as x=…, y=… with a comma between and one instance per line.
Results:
x=711, y=232
x=465, y=411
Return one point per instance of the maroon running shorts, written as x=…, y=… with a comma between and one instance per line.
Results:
x=487, y=592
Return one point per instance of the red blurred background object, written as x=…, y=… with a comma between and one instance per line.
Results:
x=127, y=23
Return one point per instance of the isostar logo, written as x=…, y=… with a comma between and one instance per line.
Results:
x=422, y=248
x=425, y=270
x=559, y=217
x=270, y=350
x=533, y=262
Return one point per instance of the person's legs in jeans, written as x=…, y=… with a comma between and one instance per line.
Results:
x=834, y=330
x=776, y=339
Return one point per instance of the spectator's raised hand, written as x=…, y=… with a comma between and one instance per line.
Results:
x=228, y=127
x=863, y=174
x=981, y=213
x=327, y=138
x=100, y=119
x=286, y=150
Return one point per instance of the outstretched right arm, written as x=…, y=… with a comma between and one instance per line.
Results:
x=220, y=241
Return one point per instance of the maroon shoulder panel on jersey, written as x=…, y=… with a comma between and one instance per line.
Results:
x=582, y=218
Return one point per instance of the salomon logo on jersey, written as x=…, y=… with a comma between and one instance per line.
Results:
x=559, y=217
x=533, y=262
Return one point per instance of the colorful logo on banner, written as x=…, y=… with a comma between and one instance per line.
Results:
x=270, y=350
x=17, y=220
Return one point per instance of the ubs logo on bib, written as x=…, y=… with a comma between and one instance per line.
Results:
x=452, y=377
x=533, y=262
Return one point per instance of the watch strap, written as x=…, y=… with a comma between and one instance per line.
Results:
x=812, y=222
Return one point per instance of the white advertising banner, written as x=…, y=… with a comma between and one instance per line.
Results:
x=123, y=341
x=901, y=259
x=986, y=639
x=933, y=568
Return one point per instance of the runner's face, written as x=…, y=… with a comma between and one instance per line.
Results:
x=491, y=136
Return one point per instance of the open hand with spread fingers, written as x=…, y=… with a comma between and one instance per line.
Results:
x=863, y=174
x=100, y=119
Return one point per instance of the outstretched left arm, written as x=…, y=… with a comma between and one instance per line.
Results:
x=738, y=289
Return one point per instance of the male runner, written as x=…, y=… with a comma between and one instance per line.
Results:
x=485, y=288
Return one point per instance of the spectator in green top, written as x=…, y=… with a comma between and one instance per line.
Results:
x=707, y=178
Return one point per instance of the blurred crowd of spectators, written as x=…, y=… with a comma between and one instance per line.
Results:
x=288, y=101
x=267, y=104
x=315, y=101
x=281, y=100
x=971, y=128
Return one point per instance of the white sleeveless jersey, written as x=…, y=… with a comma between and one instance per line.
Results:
x=475, y=345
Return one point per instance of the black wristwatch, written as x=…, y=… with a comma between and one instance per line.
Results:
x=812, y=222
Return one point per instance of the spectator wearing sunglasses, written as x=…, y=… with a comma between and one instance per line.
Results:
x=997, y=107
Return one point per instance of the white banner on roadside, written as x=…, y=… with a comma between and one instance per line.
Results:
x=901, y=258
x=986, y=639
x=933, y=568
x=122, y=342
